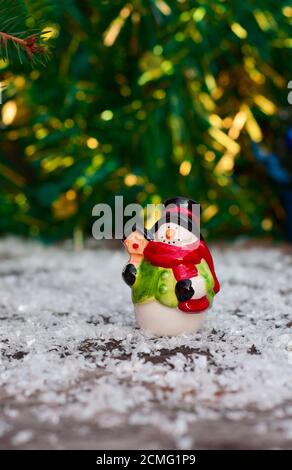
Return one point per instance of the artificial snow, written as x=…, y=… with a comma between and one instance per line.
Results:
x=76, y=372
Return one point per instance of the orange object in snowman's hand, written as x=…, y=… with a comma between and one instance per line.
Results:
x=135, y=244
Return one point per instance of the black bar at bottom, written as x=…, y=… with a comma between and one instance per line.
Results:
x=128, y=458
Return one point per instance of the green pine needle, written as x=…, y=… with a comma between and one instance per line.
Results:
x=16, y=40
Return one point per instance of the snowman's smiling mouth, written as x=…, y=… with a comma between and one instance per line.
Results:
x=163, y=240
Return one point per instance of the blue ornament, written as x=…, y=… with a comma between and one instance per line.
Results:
x=289, y=138
x=272, y=164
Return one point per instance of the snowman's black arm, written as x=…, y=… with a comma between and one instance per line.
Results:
x=184, y=290
x=129, y=274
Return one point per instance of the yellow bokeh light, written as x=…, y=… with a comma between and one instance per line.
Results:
x=209, y=156
x=68, y=161
x=21, y=199
x=64, y=207
x=262, y=20
x=185, y=168
x=97, y=160
x=156, y=199
x=227, y=122
x=207, y=101
x=224, y=140
x=267, y=224
x=116, y=25
x=167, y=66
x=113, y=31
x=199, y=14
x=41, y=133
x=159, y=94
x=125, y=11
x=210, y=82
x=237, y=124
x=130, y=179
x=215, y=120
x=267, y=106
x=225, y=164
x=107, y=115
x=71, y=195
x=239, y=31
x=252, y=127
x=163, y=7
x=19, y=82
x=239, y=120
x=287, y=11
x=9, y=112
x=210, y=212
x=154, y=67
x=92, y=143
x=30, y=150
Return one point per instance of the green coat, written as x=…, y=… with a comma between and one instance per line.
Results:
x=155, y=283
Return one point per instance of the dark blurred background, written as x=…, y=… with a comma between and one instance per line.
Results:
x=147, y=99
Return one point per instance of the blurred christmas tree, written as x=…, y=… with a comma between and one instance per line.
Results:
x=148, y=99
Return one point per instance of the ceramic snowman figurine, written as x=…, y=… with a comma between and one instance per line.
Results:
x=171, y=272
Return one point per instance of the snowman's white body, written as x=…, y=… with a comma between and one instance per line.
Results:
x=161, y=320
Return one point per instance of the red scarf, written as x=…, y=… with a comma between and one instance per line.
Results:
x=169, y=256
x=181, y=260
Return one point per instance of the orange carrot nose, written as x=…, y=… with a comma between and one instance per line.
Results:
x=170, y=233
